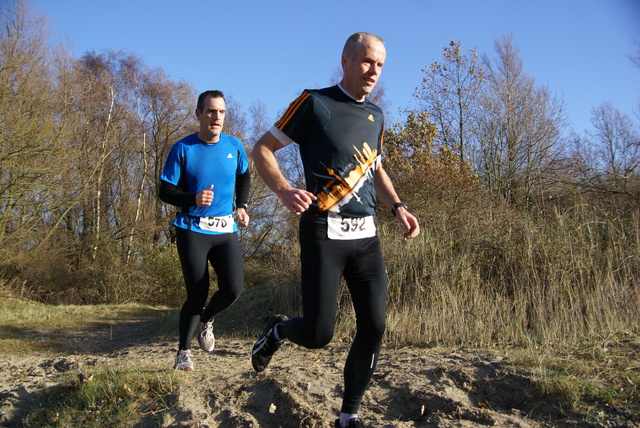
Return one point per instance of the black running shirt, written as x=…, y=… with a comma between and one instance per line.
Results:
x=339, y=141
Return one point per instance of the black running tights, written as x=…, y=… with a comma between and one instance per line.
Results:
x=324, y=262
x=225, y=255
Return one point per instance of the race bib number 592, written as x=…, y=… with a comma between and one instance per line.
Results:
x=339, y=227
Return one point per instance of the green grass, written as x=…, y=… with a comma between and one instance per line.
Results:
x=93, y=396
x=109, y=397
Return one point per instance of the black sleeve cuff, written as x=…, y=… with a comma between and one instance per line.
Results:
x=172, y=195
x=243, y=185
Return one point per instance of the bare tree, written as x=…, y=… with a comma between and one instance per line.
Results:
x=163, y=109
x=268, y=218
x=126, y=117
x=166, y=115
x=519, y=127
x=29, y=151
x=105, y=135
x=449, y=93
x=608, y=159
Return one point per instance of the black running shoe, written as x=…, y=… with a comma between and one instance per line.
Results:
x=267, y=344
x=353, y=423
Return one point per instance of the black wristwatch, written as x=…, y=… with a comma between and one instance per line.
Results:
x=398, y=205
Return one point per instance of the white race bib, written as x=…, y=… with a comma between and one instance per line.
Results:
x=339, y=227
x=217, y=224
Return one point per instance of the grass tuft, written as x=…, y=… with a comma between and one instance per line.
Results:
x=108, y=397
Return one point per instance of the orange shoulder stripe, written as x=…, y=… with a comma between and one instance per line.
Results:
x=293, y=107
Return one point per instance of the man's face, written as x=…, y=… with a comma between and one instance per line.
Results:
x=211, y=119
x=363, y=69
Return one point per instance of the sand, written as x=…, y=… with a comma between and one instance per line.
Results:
x=412, y=387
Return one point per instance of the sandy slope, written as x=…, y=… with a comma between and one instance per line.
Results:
x=413, y=387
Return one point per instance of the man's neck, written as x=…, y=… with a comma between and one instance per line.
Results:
x=349, y=95
x=213, y=139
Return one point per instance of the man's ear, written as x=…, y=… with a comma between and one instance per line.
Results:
x=344, y=60
x=198, y=113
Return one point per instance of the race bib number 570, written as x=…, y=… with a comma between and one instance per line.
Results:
x=217, y=224
x=339, y=227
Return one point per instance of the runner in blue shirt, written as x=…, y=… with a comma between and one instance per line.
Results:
x=206, y=176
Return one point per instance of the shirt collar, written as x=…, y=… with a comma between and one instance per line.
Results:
x=349, y=95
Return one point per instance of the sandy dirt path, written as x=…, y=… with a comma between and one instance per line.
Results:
x=413, y=387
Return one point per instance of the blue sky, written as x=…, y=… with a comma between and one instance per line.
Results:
x=270, y=51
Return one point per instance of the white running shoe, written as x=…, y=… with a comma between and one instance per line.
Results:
x=206, y=339
x=183, y=360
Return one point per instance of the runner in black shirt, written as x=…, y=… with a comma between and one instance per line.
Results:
x=339, y=133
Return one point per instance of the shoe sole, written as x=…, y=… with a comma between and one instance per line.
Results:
x=262, y=339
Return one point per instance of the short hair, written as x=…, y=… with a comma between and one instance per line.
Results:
x=356, y=40
x=203, y=96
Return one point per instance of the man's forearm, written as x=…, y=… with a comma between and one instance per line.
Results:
x=267, y=166
x=384, y=188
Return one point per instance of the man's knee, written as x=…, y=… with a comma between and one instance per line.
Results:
x=231, y=295
x=319, y=339
x=372, y=331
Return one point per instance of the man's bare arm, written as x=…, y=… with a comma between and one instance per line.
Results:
x=387, y=194
x=296, y=200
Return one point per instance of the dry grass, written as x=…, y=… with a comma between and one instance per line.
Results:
x=24, y=325
x=586, y=377
x=496, y=276
x=515, y=280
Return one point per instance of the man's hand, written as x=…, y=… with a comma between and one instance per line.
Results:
x=296, y=200
x=205, y=197
x=242, y=217
x=409, y=221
